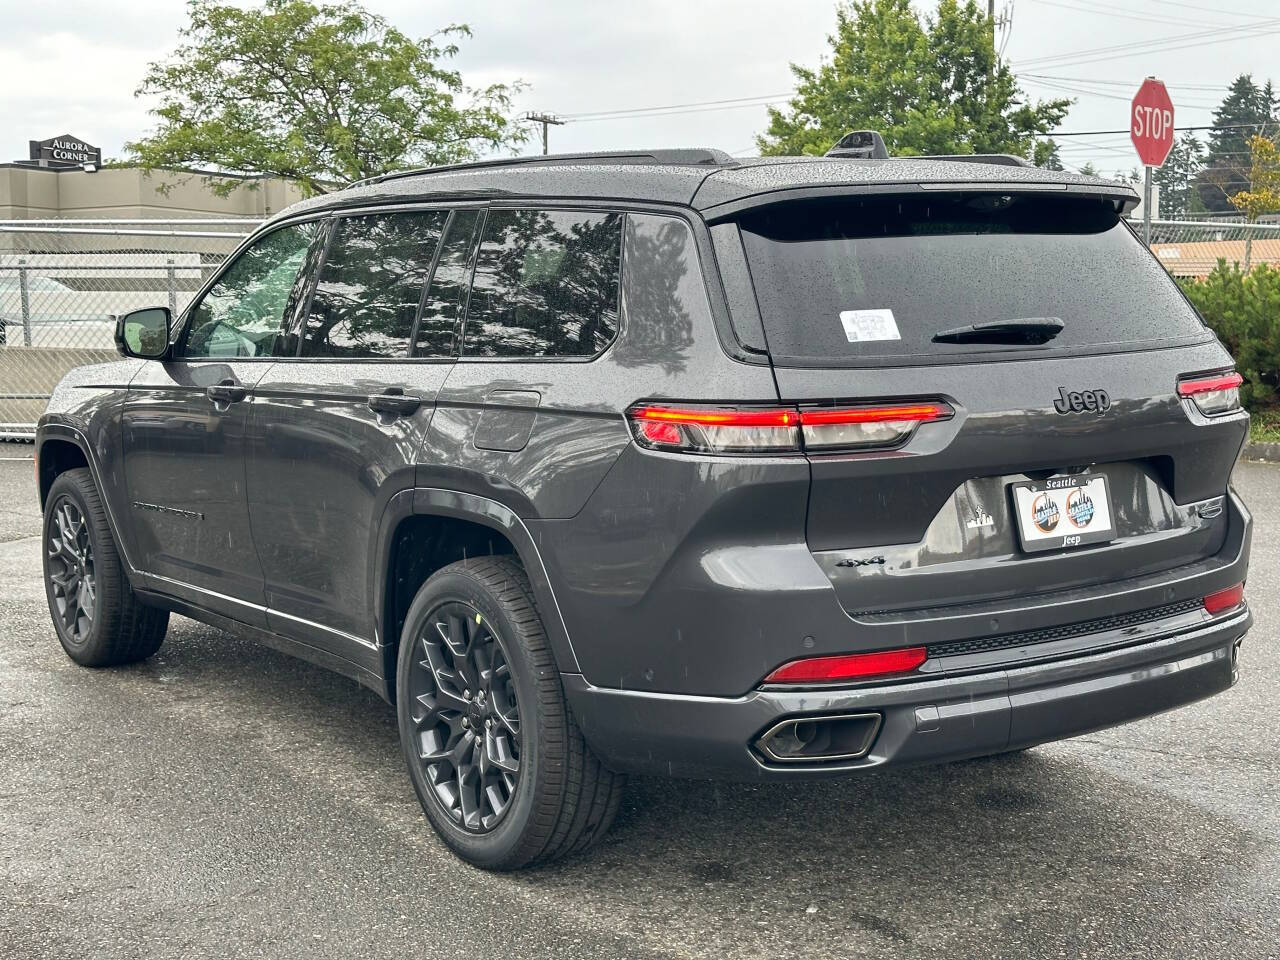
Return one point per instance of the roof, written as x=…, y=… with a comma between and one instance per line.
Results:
x=705, y=180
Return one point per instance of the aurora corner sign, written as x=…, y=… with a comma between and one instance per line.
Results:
x=65, y=151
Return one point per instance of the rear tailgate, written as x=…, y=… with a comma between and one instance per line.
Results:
x=853, y=293
x=932, y=523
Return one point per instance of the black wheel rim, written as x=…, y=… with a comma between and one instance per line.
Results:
x=466, y=719
x=70, y=570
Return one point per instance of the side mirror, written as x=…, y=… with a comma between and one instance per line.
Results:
x=144, y=333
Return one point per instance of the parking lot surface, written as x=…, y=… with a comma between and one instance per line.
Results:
x=223, y=800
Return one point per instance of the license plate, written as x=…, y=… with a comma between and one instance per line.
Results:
x=1063, y=512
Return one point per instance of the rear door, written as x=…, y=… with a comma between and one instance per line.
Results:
x=519, y=418
x=336, y=428
x=854, y=294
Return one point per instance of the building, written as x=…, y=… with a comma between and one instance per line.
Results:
x=64, y=179
x=1196, y=260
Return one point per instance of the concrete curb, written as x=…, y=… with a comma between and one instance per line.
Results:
x=1266, y=452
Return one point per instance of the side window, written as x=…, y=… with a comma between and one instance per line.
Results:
x=546, y=284
x=244, y=312
x=447, y=296
x=367, y=294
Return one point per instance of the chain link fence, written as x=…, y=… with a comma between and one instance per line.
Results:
x=63, y=281
x=1192, y=248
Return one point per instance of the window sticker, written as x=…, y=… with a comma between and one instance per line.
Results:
x=861, y=326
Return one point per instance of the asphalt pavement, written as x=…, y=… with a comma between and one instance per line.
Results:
x=223, y=800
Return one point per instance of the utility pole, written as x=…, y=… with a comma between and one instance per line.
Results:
x=1000, y=25
x=546, y=119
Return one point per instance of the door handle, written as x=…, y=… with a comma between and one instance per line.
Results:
x=227, y=391
x=394, y=402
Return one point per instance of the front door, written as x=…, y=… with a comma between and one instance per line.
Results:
x=336, y=429
x=185, y=426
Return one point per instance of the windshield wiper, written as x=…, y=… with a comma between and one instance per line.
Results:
x=1027, y=330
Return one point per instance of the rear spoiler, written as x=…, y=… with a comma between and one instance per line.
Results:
x=1121, y=197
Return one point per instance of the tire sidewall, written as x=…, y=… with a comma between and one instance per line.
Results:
x=500, y=847
x=65, y=488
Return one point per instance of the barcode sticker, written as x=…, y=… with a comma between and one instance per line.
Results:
x=861, y=326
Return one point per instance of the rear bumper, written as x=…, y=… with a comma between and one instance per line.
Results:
x=929, y=721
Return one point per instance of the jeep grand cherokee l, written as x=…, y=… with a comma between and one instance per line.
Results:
x=673, y=463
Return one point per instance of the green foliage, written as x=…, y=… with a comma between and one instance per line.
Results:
x=323, y=95
x=1176, y=179
x=1247, y=111
x=1262, y=194
x=930, y=87
x=1244, y=311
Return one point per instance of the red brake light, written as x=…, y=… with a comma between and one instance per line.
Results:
x=1225, y=599
x=716, y=429
x=697, y=429
x=850, y=666
x=918, y=412
x=1213, y=395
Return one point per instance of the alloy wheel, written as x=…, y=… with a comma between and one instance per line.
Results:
x=71, y=572
x=466, y=717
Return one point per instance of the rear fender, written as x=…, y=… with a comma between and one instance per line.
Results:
x=431, y=501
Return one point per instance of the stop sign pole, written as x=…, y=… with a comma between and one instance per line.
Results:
x=1151, y=130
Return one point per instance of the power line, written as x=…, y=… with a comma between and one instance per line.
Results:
x=1196, y=39
x=1217, y=10
x=631, y=111
x=1113, y=11
x=1068, y=88
x=1100, y=133
x=1119, y=83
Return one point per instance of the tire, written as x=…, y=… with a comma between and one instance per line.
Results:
x=98, y=618
x=561, y=799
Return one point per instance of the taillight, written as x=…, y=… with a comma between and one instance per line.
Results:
x=849, y=666
x=878, y=426
x=716, y=429
x=1215, y=395
x=1224, y=600
x=707, y=429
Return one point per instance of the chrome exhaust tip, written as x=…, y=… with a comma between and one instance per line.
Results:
x=820, y=739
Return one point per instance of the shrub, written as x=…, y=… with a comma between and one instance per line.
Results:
x=1243, y=309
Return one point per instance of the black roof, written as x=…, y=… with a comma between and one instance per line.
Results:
x=706, y=180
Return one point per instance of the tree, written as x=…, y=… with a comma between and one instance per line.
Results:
x=1262, y=193
x=323, y=95
x=1247, y=110
x=930, y=88
x=1047, y=155
x=1176, y=178
x=1090, y=169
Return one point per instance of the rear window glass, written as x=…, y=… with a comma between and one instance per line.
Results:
x=878, y=277
x=545, y=284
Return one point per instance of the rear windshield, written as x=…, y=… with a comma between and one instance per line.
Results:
x=860, y=279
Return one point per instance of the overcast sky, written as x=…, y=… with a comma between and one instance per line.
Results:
x=72, y=66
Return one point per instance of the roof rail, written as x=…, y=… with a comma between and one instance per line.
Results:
x=692, y=156
x=999, y=159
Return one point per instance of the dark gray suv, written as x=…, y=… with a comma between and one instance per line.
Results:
x=676, y=464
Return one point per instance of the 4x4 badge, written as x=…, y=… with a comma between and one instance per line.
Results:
x=867, y=562
x=1077, y=401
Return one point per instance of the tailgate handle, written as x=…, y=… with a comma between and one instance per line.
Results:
x=227, y=391
x=394, y=402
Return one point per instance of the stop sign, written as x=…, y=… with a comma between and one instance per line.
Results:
x=1151, y=122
